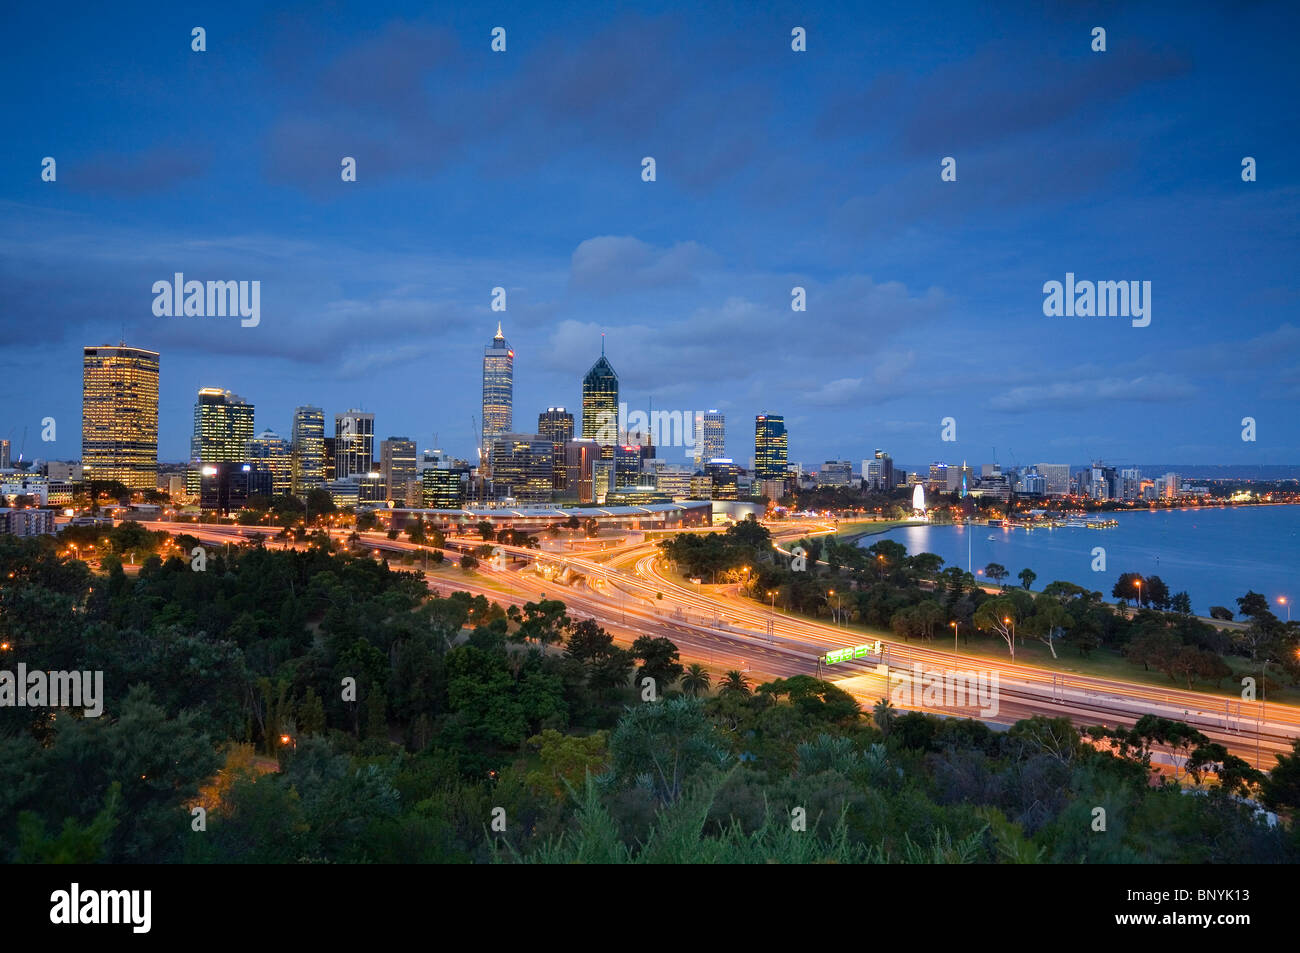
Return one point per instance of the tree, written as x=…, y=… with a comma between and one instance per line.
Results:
x=1130, y=585
x=1181, y=603
x=884, y=714
x=319, y=502
x=75, y=843
x=997, y=572
x=734, y=682
x=468, y=562
x=542, y=622
x=1049, y=623
x=485, y=530
x=813, y=697
x=1153, y=648
x=566, y=761
x=1253, y=606
x=696, y=680
x=659, y=660
x=415, y=532
x=588, y=642
x=1281, y=790
x=998, y=615
x=1156, y=592
x=1221, y=613
x=667, y=743
x=1027, y=577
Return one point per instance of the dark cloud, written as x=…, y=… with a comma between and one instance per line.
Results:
x=132, y=174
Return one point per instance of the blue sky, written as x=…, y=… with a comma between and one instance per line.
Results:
x=775, y=169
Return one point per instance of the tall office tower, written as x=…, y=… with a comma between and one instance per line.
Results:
x=4, y=455
x=327, y=468
x=600, y=404
x=354, y=443
x=498, y=390
x=307, y=442
x=833, y=473
x=119, y=415
x=522, y=467
x=223, y=425
x=710, y=436
x=579, y=467
x=271, y=452
x=770, y=447
x=724, y=475
x=1057, y=476
x=627, y=465
x=885, y=464
x=397, y=465
x=442, y=488
x=938, y=482
x=557, y=424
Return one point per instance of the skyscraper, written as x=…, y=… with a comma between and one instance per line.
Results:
x=770, y=447
x=523, y=467
x=557, y=425
x=710, y=436
x=600, y=404
x=308, y=448
x=397, y=465
x=223, y=426
x=270, y=452
x=498, y=388
x=1058, y=477
x=354, y=443
x=119, y=415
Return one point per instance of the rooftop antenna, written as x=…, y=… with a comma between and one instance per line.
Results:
x=602, y=343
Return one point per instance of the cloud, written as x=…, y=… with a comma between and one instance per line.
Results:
x=610, y=263
x=1086, y=394
x=132, y=174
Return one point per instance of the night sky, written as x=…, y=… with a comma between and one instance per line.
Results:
x=774, y=169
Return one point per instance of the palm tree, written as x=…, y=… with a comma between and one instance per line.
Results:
x=883, y=713
x=1027, y=576
x=696, y=681
x=736, y=682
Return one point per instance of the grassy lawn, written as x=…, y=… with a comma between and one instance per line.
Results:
x=856, y=529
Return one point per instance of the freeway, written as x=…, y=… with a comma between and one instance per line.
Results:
x=643, y=599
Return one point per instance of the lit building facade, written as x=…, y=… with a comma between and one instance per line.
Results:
x=307, y=446
x=710, y=436
x=223, y=426
x=600, y=405
x=522, y=467
x=556, y=424
x=498, y=389
x=397, y=466
x=271, y=452
x=354, y=443
x=119, y=415
x=770, y=447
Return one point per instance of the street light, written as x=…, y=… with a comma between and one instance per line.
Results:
x=1286, y=602
x=954, y=634
x=1138, y=584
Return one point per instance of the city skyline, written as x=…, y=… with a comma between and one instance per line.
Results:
x=373, y=288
